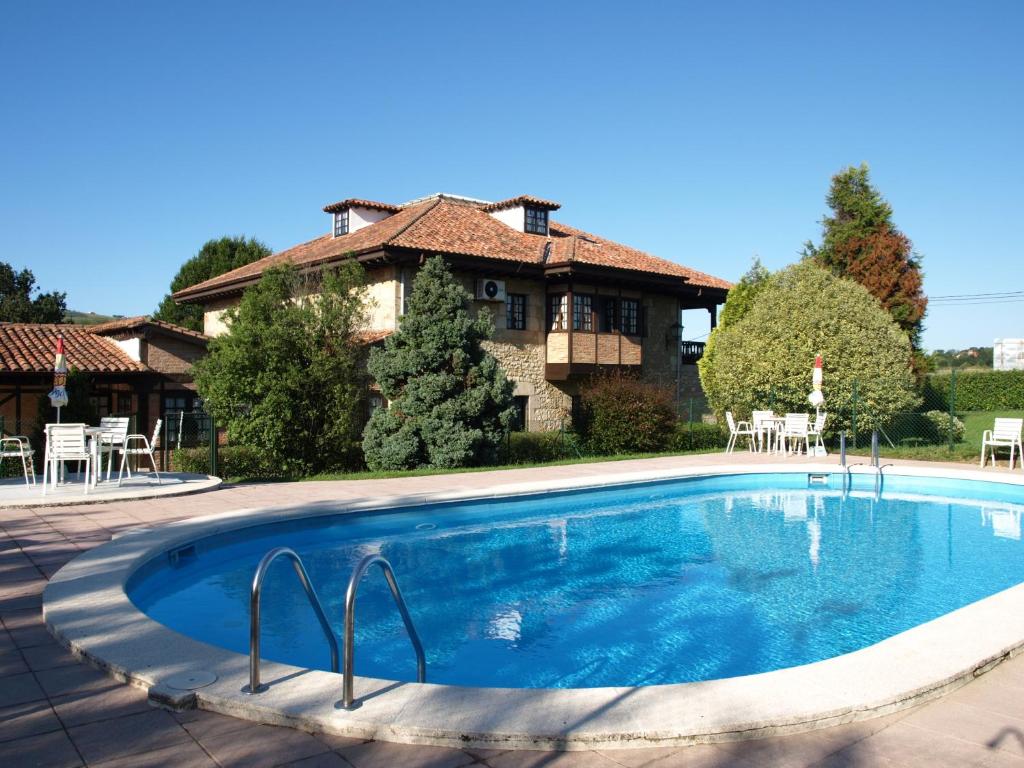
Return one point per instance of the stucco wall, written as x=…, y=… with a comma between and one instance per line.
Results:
x=213, y=315
x=363, y=217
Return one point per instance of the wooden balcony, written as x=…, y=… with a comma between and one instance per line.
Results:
x=691, y=352
x=579, y=353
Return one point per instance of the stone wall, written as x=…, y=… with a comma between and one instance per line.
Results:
x=524, y=364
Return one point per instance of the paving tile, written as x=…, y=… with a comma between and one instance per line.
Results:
x=27, y=719
x=189, y=755
x=697, y=756
x=12, y=663
x=338, y=742
x=532, y=759
x=47, y=750
x=21, y=594
x=203, y=725
x=18, y=689
x=326, y=760
x=969, y=723
x=261, y=746
x=131, y=735
x=77, y=678
x=19, y=573
x=906, y=745
x=48, y=656
x=92, y=706
x=26, y=637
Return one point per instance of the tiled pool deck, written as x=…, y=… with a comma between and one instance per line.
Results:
x=55, y=711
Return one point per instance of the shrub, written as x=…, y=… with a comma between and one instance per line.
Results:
x=940, y=422
x=536, y=447
x=978, y=390
x=237, y=461
x=290, y=375
x=765, y=358
x=698, y=436
x=623, y=414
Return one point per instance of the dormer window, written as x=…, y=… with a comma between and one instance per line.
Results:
x=536, y=221
x=341, y=223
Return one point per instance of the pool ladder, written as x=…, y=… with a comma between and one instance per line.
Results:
x=875, y=463
x=348, y=695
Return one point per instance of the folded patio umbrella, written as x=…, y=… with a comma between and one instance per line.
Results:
x=59, y=395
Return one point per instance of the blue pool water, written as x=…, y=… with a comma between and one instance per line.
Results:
x=659, y=583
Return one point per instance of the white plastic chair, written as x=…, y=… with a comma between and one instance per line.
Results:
x=115, y=430
x=143, y=447
x=18, y=447
x=1005, y=433
x=795, y=429
x=737, y=430
x=764, y=428
x=66, y=442
x=817, y=430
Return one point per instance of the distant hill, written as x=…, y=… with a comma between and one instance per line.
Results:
x=88, y=318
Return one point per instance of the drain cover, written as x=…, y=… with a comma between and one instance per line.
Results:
x=190, y=681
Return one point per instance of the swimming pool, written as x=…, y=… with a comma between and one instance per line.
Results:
x=790, y=544
x=679, y=581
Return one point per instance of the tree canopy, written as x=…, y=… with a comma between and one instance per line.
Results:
x=860, y=241
x=450, y=403
x=215, y=258
x=21, y=302
x=289, y=377
x=765, y=358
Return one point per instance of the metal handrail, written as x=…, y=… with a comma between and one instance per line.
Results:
x=254, y=613
x=348, y=697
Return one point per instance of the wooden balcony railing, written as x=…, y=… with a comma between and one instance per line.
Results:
x=691, y=352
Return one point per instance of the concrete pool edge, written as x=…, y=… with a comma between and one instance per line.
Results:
x=87, y=609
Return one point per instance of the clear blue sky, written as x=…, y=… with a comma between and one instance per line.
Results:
x=705, y=133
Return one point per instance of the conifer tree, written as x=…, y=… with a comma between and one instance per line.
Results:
x=449, y=401
x=860, y=241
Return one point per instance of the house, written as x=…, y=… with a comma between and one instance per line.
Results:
x=137, y=366
x=566, y=303
x=1008, y=355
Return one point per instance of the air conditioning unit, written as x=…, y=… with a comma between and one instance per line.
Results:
x=490, y=290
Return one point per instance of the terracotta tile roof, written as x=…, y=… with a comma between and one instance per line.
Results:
x=355, y=202
x=442, y=225
x=132, y=323
x=576, y=246
x=372, y=337
x=30, y=348
x=524, y=200
x=321, y=250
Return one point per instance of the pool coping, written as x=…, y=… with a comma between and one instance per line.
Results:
x=86, y=608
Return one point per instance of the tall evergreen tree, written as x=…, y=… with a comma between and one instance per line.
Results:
x=215, y=258
x=860, y=241
x=450, y=403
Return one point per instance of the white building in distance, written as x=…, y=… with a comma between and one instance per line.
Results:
x=1008, y=355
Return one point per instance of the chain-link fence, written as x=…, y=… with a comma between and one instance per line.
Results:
x=941, y=425
x=189, y=442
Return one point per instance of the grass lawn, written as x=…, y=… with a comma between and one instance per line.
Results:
x=967, y=450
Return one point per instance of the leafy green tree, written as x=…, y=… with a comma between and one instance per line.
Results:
x=450, y=403
x=860, y=241
x=289, y=377
x=19, y=305
x=215, y=258
x=765, y=358
x=738, y=302
x=742, y=295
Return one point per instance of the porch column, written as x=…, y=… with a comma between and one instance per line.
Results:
x=713, y=311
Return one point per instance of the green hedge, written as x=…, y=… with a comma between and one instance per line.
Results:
x=698, y=436
x=536, y=447
x=235, y=461
x=977, y=390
